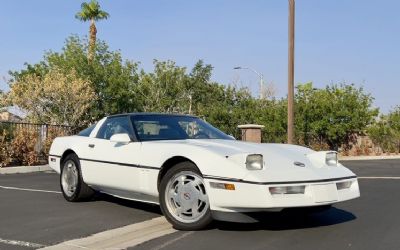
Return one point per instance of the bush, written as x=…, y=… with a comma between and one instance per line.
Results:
x=5, y=154
x=24, y=147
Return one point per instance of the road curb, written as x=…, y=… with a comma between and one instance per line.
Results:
x=361, y=158
x=25, y=169
x=120, y=238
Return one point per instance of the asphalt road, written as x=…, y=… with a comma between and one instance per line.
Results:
x=47, y=219
x=370, y=222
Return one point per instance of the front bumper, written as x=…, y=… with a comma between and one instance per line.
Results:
x=252, y=197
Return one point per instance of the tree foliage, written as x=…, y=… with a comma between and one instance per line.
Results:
x=111, y=77
x=332, y=115
x=324, y=118
x=386, y=131
x=2, y=99
x=56, y=97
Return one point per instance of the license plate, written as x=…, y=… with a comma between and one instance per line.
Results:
x=325, y=192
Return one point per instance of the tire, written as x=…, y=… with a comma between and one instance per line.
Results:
x=72, y=185
x=182, y=191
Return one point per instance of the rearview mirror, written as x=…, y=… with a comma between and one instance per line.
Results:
x=120, y=138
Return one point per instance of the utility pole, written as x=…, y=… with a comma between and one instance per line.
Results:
x=290, y=125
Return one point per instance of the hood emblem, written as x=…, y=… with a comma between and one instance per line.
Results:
x=299, y=164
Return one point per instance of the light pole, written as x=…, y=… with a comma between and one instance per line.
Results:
x=290, y=125
x=259, y=75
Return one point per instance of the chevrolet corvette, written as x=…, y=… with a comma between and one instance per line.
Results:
x=195, y=172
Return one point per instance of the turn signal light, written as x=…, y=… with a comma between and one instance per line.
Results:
x=219, y=185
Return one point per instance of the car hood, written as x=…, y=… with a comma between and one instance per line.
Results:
x=233, y=147
x=279, y=159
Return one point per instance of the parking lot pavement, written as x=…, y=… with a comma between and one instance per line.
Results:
x=45, y=218
x=375, y=168
x=31, y=216
x=370, y=222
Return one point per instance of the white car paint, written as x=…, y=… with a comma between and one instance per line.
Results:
x=131, y=170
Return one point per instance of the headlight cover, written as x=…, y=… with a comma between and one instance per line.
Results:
x=254, y=162
x=331, y=159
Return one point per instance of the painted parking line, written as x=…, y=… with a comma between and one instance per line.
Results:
x=21, y=243
x=30, y=190
x=120, y=238
x=380, y=177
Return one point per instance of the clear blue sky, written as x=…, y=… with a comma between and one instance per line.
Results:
x=355, y=41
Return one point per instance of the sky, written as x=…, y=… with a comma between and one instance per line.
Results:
x=337, y=41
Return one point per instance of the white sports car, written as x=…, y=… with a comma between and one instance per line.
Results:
x=194, y=171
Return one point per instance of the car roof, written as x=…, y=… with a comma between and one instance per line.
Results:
x=150, y=114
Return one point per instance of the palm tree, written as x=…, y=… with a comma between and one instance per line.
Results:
x=91, y=11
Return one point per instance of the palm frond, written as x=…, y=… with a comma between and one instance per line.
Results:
x=90, y=11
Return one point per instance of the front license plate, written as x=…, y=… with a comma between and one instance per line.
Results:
x=325, y=192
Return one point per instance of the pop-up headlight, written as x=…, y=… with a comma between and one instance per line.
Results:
x=254, y=162
x=331, y=159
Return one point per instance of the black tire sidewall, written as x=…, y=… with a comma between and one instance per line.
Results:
x=198, y=225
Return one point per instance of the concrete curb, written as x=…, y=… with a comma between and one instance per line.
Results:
x=120, y=238
x=361, y=158
x=24, y=169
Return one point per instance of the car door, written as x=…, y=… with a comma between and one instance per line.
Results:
x=113, y=167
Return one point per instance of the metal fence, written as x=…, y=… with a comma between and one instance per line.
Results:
x=8, y=131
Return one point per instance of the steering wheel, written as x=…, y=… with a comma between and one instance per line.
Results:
x=201, y=135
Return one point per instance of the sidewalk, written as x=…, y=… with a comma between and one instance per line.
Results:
x=368, y=157
x=25, y=169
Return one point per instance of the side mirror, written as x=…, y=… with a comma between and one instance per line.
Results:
x=120, y=138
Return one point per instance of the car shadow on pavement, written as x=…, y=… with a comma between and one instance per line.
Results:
x=288, y=220
x=152, y=208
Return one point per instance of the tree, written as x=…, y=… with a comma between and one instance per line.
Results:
x=91, y=12
x=2, y=99
x=112, y=78
x=55, y=98
x=163, y=90
x=386, y=131
x=333, y=115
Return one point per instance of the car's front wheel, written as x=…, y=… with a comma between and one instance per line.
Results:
x=183, y=198
x=72, y=185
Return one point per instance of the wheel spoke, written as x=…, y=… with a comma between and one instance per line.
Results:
x=174, y=196
x=179, y=211
x=197, y=182
x=181, y=181
x=203, y=197
x=195, y=208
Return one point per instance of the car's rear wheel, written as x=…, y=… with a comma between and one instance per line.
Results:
x=183, y=198
x=72, y=185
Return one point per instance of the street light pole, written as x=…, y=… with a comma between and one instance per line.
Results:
x=290, y=125
x=261, y=94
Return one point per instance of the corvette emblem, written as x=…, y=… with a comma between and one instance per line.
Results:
x=186, y=196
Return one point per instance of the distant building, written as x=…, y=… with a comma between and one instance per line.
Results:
x=12, y=114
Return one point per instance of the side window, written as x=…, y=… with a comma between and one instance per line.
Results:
x=115, y=125
x=86, y=132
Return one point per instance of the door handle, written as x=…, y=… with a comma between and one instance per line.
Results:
x=91, y=145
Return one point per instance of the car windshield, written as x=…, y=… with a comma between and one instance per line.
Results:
x=163, y=127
